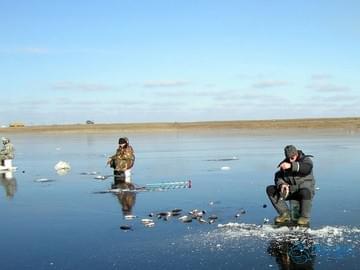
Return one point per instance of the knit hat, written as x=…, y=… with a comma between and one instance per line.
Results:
x=290, y=151
x=123, y=141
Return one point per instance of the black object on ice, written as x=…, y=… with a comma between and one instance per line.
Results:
x=125, y=227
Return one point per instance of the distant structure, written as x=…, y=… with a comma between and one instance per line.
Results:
x=89, y=122
x=17, y=124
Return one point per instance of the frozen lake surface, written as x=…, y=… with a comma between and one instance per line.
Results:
x=64, y=224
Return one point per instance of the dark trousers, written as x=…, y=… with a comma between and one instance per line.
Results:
x=119, y=177
x=302, y=195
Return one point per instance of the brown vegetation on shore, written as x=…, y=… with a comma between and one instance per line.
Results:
x=318, y=123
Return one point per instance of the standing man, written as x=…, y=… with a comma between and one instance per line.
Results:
x=122, y=161
x=7, y=152
x=293, y=182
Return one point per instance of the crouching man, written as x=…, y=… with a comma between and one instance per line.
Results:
x=294, y=182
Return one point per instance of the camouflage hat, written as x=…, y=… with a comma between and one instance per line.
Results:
x=290, y=151
x=5, y=140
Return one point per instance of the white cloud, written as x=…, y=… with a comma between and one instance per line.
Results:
x=25, y=50
x=337, y=99
x=342, y=98
x=322, y=82
x=76, y=86
x=327, y=87
x=34, y=50
x=165, y=83
x=270, y=83
x=320, y=76
x=210, y=85
x=190, y=94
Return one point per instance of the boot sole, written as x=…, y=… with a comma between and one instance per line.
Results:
x=290, y=224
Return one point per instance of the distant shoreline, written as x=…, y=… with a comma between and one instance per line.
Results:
x=352, y=123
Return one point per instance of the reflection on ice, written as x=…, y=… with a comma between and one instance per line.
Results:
x=290, y=246
x=293, y=254
x=328, y=234
x=8, y=181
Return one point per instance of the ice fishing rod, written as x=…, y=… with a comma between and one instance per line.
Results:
x=160, y=186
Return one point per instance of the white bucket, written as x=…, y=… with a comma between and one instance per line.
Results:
x=128, y=176
x=9, y=175
x=8, y=163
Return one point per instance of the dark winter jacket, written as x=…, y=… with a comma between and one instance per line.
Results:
x=299, y=175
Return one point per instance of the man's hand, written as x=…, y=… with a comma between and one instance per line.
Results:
x=285, y=189
x=108, y=161
x=285, y=165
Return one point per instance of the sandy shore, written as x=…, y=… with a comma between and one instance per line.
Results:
x=352, y=124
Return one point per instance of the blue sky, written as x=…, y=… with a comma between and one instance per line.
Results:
x=178, y=60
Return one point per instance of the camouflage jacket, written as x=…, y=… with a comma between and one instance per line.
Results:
x=7, y=152
x=123, y=159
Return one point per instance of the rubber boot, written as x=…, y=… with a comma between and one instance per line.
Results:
x=303, y=221
x=295, y=210
x=305, y=206
x=283, y=218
